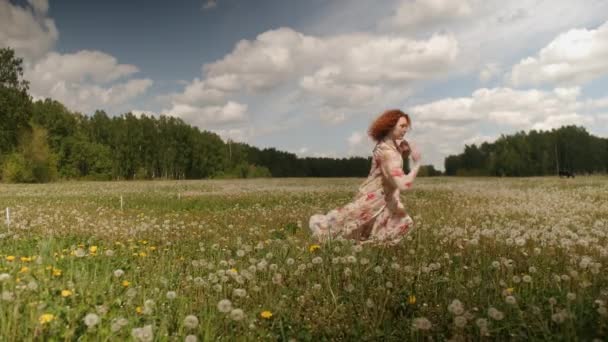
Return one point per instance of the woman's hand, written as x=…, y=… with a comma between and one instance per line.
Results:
x=415, y=153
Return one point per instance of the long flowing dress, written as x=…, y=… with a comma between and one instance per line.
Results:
x=376, y=213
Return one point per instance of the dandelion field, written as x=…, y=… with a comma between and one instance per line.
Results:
x=489, y=259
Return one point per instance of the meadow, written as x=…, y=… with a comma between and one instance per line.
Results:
x=232, y=260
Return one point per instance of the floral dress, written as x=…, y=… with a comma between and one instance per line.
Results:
x=376, y=214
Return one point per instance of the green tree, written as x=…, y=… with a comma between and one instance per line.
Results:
x=15, y=103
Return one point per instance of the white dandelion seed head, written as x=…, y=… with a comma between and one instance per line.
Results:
x=91, y=319
x=460, y=321
x=191, y=322
x=481, y=322
x=239, y=293
x=237, y=314
x=191, y=338
x=143, y=334
x=421, y=323
x=495, y=314
x=224, y=305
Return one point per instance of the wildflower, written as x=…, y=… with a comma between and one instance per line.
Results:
x=277, y=279
x=237, y=314
x=126, y=283
x=10, y=258
x=56, y=272
x=66, y=293
x=495, y=314
x=313, y=248
x=24, y=269
x=510, y=300
x=143, y=334
x=571, y=296
x=224, y=305
x=317, y=260
x=46, y=318
x=117, y=324
x=118, y=273
x=139, y=310
x=456, y=307
x=4, y=276
x=79, y=253
x=191, y=338
x=171, y=295
x=266, y=314
x=8, y=296
x=91, y=319
x=191, y=322
x=460, y=321
x=32, y=285
x=149, y=306
x=482, y=322
x=411, y=299
x=421, y=323
x=93, y=249
x=239, y=293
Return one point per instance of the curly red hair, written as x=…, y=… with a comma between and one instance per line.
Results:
x=384, y=124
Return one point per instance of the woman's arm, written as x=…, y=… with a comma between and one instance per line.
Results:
x=392, y=169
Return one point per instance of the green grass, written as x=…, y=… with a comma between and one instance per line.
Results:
x=477, y=242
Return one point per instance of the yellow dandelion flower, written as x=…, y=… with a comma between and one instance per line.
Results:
x=142, y=254
x=25, y=259
x=313, y=248
x=126, y=283
x=10, y=258
x=56, y=272
x=411, y=299
x=152, y=248
x=46, y=318
x=93, y=249
x=139, y=310
x=266, y=314
x=510, y=290
x=66, y=293
x=24, y=269
x=234, y=270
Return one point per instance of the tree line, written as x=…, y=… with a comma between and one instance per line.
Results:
x=41, y=141
x=536, y=153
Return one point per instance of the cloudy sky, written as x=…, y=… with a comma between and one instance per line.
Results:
x=309, y=76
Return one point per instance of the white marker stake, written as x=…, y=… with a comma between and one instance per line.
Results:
x=8, y=217
x=120, y=202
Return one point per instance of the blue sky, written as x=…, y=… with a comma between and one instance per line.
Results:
x=309, y=76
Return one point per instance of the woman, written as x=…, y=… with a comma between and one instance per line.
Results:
x=376, y=214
